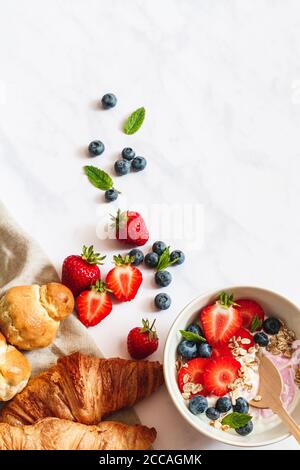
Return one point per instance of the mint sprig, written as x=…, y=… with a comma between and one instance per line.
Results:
x=165, y=260
x=236, y=420
x=190, y=336
x=98, y=177
x=134, y=121
x=255, y=324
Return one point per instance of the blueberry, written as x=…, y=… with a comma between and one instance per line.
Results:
x=198, y=404
x=193, y=328
x=128, y=153
x=122, y=167
x=96, y=148
x=245, y=430
x=151, y=260
x=139, y=163
x=111, y=195
x=187, y=349
x=162, y=301
x=223, y=404
x=179, y=255
x=163, y=278
x=159, y=247
x=212, y=413
x=261, y=339
x=109, y=101
x=205, y=350
x=138, y=256
x=271, y=326
x=241, y=405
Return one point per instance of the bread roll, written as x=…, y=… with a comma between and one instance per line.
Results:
x=30, y=315
x=15, y=370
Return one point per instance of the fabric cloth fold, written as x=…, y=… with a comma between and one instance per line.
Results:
x=23, y=262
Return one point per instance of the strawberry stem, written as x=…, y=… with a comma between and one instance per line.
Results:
x=119, y=260
x=90, y=257
x=226, y=300
x=149, y=329
x=100, y=287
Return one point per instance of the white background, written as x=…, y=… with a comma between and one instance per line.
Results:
x=220, y=81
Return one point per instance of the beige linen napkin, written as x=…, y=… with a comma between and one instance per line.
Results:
x=22, y=262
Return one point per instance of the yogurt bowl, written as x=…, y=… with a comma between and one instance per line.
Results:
x=268, y=428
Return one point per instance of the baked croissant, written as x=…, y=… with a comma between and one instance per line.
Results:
x=60, y=434
x=84, y=389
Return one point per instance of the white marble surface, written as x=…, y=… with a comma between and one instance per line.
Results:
x=220, y=82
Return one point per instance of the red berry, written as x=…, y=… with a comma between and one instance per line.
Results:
x=94, y=305
x=131, y=228
x=244, y=334
x=250, y=309
x=124, y=280
x=80, y=272
x=222, y=350
x=220, y=320
x=194, y=370
x=221, y=373
x=141, y=342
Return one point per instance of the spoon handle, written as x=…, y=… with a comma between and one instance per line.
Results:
x=288, y=420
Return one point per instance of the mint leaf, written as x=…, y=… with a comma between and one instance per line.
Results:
x=98, y=177
x=134, y=121
x=255, y=324
x=190, y=336
x=236, y=420
x=165, y=260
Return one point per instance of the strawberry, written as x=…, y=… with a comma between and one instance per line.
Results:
x=220, y=320
x=219, y=374
x=93, y=305
x=124, y=280
x=244, y=334
x=141, y=342
x=131, y=228
x=222, y=350
x=195, y=371
x=80, y=272
x=251, y=312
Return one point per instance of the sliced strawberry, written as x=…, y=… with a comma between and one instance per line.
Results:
x=222, y=350
x=244, y=334
x=194, y=371
x=250, y=309
x=219, y=374
x=124, y=280
x=220, y=320
x=94, y=305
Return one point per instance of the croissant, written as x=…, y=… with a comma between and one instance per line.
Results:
x=84, y=389
x=60, y=434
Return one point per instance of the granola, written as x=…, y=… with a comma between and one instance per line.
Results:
x=282, y=343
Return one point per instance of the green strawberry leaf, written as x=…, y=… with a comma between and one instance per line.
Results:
x=236, y=420
x=226, y=300
x=98, y=177
x=165, y=260
x=134, y=121
x=190, y=336
x=255, y=324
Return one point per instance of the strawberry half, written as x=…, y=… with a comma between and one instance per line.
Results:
x=131, y=228
x=141, y=342
x=220, y=320
x=80, y=272
x=219, y=374
x=195, y=371
x=93, y=305
x=250, y=309
x=222, y=350
x=244, y=334
x=124, y=280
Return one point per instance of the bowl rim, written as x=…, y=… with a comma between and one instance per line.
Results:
x=184, y=413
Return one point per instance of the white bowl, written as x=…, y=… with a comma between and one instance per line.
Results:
x=273, y=304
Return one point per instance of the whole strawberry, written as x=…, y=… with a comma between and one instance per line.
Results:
x=131, y=228
x=141, y=342
x=80, y=272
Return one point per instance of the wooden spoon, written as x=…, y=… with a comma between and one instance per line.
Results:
x=270, y=389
